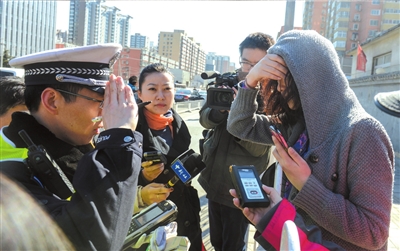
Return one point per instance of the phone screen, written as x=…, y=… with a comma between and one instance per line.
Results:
x=148, y=216
x=250, y=184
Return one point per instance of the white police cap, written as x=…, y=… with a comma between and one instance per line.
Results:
x=389, y=102
x=86, y=65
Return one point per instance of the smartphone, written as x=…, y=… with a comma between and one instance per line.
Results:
x=248, y=186
x=146, y=221
x=155, y=156
x=278, y=135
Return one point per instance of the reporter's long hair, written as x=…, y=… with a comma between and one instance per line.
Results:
x=276, y=103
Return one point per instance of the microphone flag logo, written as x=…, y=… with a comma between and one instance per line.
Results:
x=180, y=171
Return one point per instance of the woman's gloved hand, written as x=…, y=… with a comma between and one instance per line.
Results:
x=155, y=192
x=150, y=171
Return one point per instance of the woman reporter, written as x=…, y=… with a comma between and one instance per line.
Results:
x=164, y=130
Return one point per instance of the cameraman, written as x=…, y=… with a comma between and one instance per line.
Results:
x=228, y=225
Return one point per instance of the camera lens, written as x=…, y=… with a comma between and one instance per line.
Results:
x=223, y=97
x=219, y=98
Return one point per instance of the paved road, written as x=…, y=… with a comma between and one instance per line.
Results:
x=192, y=120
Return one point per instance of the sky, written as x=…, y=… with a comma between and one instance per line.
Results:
x=219, y=26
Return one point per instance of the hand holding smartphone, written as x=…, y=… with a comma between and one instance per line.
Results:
x=155, y=156
x=278, y=135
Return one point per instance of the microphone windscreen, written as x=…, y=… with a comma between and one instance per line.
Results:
x=209, y=74
x=194, y=164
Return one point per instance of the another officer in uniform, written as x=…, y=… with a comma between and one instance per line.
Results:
x=71, y=96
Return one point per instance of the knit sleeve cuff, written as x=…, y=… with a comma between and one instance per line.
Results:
x=312, y=196
x=246, y=100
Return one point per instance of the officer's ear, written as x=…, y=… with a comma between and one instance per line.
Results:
x=51, y=100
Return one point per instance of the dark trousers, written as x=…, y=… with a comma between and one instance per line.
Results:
x=228, y=227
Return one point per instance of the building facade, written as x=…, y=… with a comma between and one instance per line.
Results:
x=61, y=36
x=93, y=22
x=347, y=23
x=139, y=41
x=128, y=64
x=382, y=75
x=27, y=26
x=178, y=46
x=133, y=60
x=219, y=63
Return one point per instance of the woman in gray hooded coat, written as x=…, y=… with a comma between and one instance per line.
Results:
x=338, y=170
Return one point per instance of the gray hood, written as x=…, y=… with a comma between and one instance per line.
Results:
x=322, y=85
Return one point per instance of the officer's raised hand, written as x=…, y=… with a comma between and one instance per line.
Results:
x=119, y=109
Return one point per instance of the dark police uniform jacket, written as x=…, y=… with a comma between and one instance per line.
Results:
x=184, y=196
x=98, y=214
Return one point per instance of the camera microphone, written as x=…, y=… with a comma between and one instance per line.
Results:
x=209, y=74
x=186, y=166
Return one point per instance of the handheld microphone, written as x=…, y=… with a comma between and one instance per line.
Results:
x=186, y=166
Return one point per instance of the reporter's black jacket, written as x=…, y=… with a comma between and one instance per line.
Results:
x=184, y=196
x=221, y=150
x=105, y=179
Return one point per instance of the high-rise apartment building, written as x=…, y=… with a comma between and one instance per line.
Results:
x=219, y=63
x=61, y=36
x=139, y=41
x=92, y=22
x=27, y=26
x=347, y=23
x=121, y=29
x=178, y=46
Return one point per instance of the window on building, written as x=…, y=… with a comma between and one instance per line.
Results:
x=381, y=64
x=339, y=44
x=354, y=36
x=353, y=45
x=342, y=34
x=376, y=1
x=342, y=24
x=375, y=12
x=373, y=22
x=371, y=33
x=358, y=7
x=355, y=27
x=357, y=17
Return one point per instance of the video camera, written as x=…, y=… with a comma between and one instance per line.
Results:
x=220, y=98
